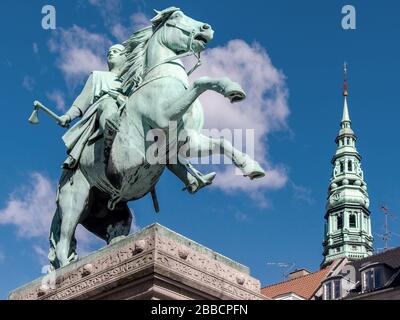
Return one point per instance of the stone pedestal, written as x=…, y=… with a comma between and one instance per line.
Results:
x=154, y=263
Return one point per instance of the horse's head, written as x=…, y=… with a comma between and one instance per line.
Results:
x=181, y=33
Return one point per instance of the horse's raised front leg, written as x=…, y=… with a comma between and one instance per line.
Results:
x=201, y=145
x=225, y=86
x=176, y=107
x=72, y=201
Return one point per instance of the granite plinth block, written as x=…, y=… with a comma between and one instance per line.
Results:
x=154, y=263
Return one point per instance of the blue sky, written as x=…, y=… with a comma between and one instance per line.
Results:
x=279, y=221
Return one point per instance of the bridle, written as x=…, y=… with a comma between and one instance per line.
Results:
x=189, y=31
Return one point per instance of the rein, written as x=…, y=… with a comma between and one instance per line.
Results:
x=191, y=52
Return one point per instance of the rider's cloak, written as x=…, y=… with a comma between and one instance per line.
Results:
x=96, y=88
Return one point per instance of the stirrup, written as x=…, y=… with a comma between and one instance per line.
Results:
x=200, y=183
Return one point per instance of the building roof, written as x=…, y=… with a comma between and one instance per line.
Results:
x=389, y=257
x=304, y=286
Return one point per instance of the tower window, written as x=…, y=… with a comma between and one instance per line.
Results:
x=341, y=167
x=339, y=222
x=348, y=141
x=352, y=221
x=350, y=165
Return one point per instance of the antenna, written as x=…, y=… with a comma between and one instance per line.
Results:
x=286, y=267
x=387, y=234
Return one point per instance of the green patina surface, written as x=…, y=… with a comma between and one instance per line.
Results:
x=348, y=231
x=113, y=154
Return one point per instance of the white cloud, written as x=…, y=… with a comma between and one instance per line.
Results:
x=137, y=21
x=58, y=98
x=302, y=193
x=79, y=52
x=140, y=20
x=41, y=253
x=28, y=83
x=30, y=209
x=265, y=110
x=109, y=9
x=242, y=217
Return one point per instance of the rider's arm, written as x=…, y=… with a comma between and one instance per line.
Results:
x=83, y=101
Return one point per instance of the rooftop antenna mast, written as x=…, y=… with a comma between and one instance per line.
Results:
x=286, y=267
x=387, y=234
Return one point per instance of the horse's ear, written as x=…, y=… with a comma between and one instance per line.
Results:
x=158, y=18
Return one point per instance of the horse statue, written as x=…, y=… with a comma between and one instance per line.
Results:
x=95, y=194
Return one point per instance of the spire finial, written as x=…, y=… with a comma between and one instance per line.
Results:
x=346, y=117
x=345, y=88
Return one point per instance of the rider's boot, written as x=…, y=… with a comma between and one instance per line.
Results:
x=198, y=180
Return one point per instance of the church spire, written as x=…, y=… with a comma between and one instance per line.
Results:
x=348, y=226
x=346, y=116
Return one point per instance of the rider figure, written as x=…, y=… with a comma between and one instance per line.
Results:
x=97, y=104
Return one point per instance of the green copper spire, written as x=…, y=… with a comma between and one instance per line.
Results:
x=348, y=226
x=346, y=116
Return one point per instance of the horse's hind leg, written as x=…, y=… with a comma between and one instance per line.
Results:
x=72, y=202
x=201, y=145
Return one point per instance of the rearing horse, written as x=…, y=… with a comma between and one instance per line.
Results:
x=97, y=192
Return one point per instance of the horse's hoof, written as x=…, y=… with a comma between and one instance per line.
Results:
x=236, y=96
x=256, y=175
x=234, y=92
x=253, y=170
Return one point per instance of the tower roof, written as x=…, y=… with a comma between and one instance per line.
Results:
x=346, y=115
x=345, y=124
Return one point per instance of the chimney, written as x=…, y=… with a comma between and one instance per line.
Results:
x=298, y=273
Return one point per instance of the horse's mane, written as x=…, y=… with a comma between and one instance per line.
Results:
x=133, y=70
x=136, y=46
